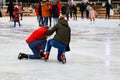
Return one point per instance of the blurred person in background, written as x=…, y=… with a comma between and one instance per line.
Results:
x=10, y=10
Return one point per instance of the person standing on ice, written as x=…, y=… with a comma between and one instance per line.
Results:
x=61, y=39
x=10, y=10
x=16, y=17
x=36, y=42
x=108, y=7
x=92, y=15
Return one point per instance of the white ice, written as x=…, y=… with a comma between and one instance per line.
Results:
x=94, y=55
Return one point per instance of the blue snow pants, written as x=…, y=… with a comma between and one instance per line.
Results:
x=60, y=46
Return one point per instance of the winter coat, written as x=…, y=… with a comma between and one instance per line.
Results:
x=63, y=32
x=10, y=8
x=82, y=7
x=45, y=10
x=16, y=16
x=74, y=8
x=92, y=13
x=40, y=10
x=63, y=9
x=55, y=11
x=37, y=34
x=108, y=6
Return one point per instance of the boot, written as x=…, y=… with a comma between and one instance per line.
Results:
x=41, y=54
x=46, y=56
x=22, y=55
x=63, y=58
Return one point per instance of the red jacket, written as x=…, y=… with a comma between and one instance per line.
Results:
x=37, y=34
x=36, y=12
x=59, y=8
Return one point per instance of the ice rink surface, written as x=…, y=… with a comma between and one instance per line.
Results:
x=94, y=55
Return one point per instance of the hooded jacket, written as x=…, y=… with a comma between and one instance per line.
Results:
x=63, y=31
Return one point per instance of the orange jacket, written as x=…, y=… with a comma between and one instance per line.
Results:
x=45, y=10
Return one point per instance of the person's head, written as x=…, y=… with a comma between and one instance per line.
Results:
x=15, y=9
x=91, y=8
x=61, y=18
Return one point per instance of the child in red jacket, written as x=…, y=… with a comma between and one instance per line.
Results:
x=16, y=17
x=36, y=42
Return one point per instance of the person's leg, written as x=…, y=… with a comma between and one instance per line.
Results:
x=82, y=14
x=34, y=45
x=11, y=16
x=14, y=24
x=46, y=21
x=50, y=19
x=19, y=24
x=35, y=51
x=43, y=44
x=73, y=16
x=108, y=14
x=48, y=48
x=61, y=51
x=54, y=22
x=67, y=15
x=56, y=19
x=76, y=15
x=40, y=21
x=21, y=16
x=49, y=45
x=61, y=47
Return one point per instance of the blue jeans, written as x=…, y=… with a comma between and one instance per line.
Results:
x=40, y=19
x=45, y=21
x=61, y=47
x=34, y=47
x=18, y=24
x=55, y=20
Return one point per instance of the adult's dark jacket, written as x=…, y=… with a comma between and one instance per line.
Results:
x=63, y=32
x=108, y=6
x=82, y=7
x=40, y=10
x=55, y=11
x=10, y=8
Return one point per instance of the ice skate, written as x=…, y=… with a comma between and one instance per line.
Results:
x=41, y=55
x=22, y=55
x=63, y=59
x=46, y=56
